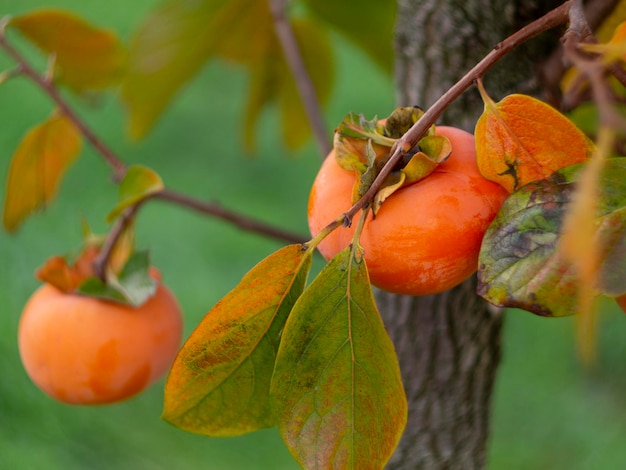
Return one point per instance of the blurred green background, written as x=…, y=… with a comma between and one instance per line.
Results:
x=549, y=412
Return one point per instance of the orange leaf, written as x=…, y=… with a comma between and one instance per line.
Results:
x=86, y=56
x=579, y=243
x=219, y=383
x=38, y=164
x=521, y=139
x=67, y=277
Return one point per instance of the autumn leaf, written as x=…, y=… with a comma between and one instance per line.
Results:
x=219, y=383
x=613, y=50
x=85, y=56
x=65, y=274
x=521, y=263
x=578, y=245
x=38, y=165
x=336, y=389
x=521, y=139
x=364, y=146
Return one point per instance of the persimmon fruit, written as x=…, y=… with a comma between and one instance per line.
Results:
x=426, y=236
x=83, y=350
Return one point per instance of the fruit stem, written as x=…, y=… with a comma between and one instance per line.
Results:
x=335, y=224
x=359, y=229
x=487, y=100
x=101, y=261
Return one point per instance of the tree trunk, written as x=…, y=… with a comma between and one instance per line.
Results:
x=449, y=347
x=448, y=344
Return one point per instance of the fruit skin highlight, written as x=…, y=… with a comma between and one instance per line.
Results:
x=426, y=237
x=82, y=350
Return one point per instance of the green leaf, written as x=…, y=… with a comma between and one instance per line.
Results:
x=393, y=182
x=434, y=149
x=336, y=389
x=357, y=126
x=437, y=147
x=139, y=183
x=355, y=137
x=520, y=264
x=364, y=146
x=402, y=119
x=219, y=383
x=37, y=167
x=368, y=24
x=86, y=57
x=133, y=285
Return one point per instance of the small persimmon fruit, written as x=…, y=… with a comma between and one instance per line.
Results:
x=83, y=350
x=621, y=301
x=426, y=236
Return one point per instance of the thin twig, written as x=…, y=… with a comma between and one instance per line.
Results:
x=48, y=87
x=216, y=210
x=590, y=67
x=550, y=20
x=553, y=68
x=119, y=169
x=290, y=48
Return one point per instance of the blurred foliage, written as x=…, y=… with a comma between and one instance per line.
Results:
x=549, y=413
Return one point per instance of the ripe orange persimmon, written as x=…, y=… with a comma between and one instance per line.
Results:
x=426, y=236
x=82, y=350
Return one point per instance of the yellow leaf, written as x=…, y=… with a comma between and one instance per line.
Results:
x=579, y=243
x=521, y=139
x=614, y=49
x=123, y=250
x=86, y=57
x=612, y=22
x=220, y=381
x=38, y=164
x=139, y=183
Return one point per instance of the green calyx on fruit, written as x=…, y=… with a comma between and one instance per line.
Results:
x=364, y=146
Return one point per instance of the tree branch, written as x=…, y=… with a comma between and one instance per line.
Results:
x=243, y=222
x=101, y=261
x=288, y=42
x=119, y=168
x=48, y=87
x=552, y=19
x=553, y=68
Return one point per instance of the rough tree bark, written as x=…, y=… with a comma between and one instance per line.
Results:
x=449, y=344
